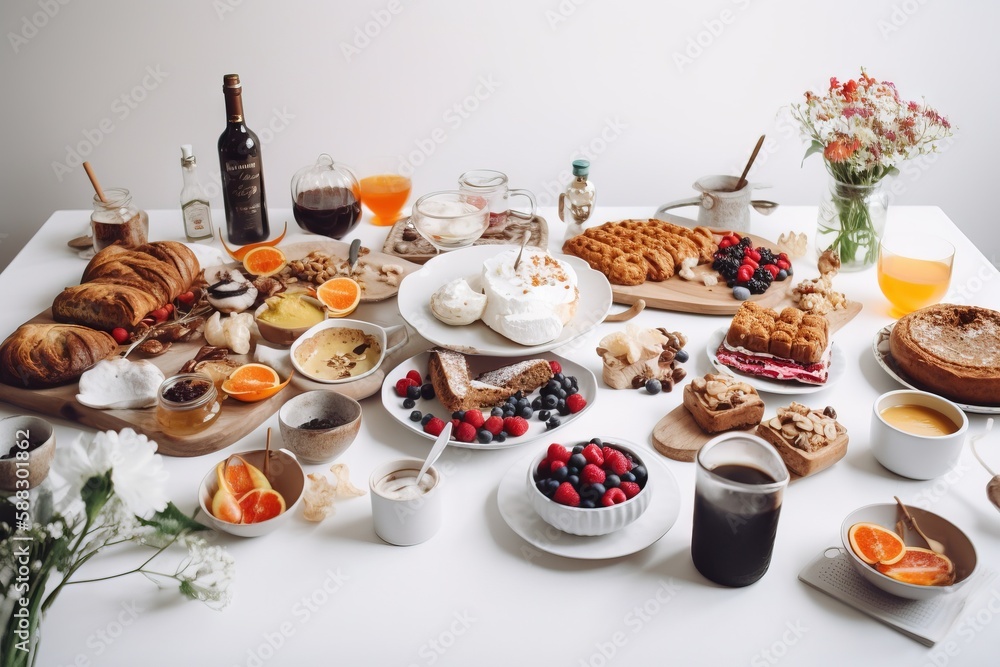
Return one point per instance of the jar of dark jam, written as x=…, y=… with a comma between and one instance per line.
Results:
x=188, y=403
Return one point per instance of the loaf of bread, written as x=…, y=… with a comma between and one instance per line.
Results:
x=951, y=350
x=790, y=334
x=37, y=356
x=121, y=286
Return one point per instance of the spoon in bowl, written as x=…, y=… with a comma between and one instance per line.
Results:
x=932, y=544
x=439, y=445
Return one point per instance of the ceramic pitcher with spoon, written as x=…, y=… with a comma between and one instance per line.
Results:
x=720, y=204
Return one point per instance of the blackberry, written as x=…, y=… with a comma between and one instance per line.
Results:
x=745, y=242
x=756, y=286
x=767, y=256
x=762, y=275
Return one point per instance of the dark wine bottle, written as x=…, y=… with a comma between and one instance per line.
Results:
x=242, y=172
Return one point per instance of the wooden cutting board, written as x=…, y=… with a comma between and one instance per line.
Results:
x=678, y=436
x=235, y=421
x=404, y=241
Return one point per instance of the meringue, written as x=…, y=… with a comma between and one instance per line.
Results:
x=120, y=384
x=456, y=303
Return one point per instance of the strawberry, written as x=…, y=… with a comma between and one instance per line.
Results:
x=575, y=403
x=555, y=366
x=515, y=426
x=474, y=417
x=611, y=497
x=557, y=452
x=593, y=454
x=465, y=432
x=415, y=376
x=120, y=335
x=402, y=385
x=629, y=488
x=434, y=426
x=617, y=463
x=567, y=495
x=592, y=474
x=494, y=425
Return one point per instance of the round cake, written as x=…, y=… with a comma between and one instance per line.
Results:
x=951, y=350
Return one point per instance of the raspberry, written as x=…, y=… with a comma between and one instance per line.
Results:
x=516, y=426
x=575, y=403
x=555, y=366
x=434, y=426
x=494, y=425
x=474, y=417
x=556, y=464
x=592, y=474
x=617, y=463
x=465, y=432
x=544, y=467
x=607, y=451
x=402, y=385
x=613, y=496
x=415, y=376
x=629, y=489
x=593, y=454
x=567, y=495
x=557, y=452
x=454, y=425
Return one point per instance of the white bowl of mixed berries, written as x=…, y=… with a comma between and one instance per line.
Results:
x=594, y=488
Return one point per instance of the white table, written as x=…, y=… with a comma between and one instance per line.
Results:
x=333, y=593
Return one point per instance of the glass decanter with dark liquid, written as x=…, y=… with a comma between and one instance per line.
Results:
x=325, y=198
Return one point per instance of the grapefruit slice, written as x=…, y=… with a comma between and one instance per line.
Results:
x=922, y=567
x=225, y=507
x=876, y=545
x=265, y=261
x=341, y=295
x=237, y=477
x=260, y=505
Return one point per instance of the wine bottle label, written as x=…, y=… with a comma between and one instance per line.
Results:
x=197, y=219
x=242, y=182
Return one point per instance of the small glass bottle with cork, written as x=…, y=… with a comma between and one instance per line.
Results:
x=577, y=203
x=195, y=207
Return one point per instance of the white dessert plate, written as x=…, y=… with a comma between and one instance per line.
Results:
x=415, y=304
x=659, y=517
x=838, y=368
x=880, y=348
x=586, y=382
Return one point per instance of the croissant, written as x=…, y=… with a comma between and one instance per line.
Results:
x=121, y=286
x=46, y=355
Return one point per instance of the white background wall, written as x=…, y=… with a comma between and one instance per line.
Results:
x=126, y=82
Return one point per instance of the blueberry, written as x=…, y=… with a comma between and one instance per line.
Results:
x=588, y=494
x=681, y=356
x=426, y=418
x=562, y=410
x=496, y=412
x=484, y=436
x=599, y=490
x=518, y=395
x=782, y=275
x=588, y=504
x=741, y=293
x=560, y=392
x=458, y=414
x=550, y=401
x=572, y=390
x=542, y=485
x=427, y=391
x=413, y=392
x=573, y=470
x=640, y=474
x=789, y=271
x=500, y=437
x=551, y=486
x=553, y=422
x=578, y=460
x=611, y=481
x=523, y=403
x=543, y=415
x=574, y=480
x=510, y=401
x=578, y=449
x=597, y=441
x=560, y=474
x=409, y=404
x=653, y=386
x=415, y=416
x=525, y=412
x=558, y=377
x=628, y=477
x=551, y=386
x=508, y=413
x=567, y=384
x=537, y=403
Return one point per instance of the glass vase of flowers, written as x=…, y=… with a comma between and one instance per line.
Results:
x=863, y=129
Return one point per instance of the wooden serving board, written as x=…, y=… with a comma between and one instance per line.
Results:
x=235, y=421
x=404, y=241
x=678, y=436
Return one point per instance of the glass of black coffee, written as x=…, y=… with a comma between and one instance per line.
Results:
x=739, y=482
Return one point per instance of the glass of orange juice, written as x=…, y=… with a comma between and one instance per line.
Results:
x=914, y=271
x=384, y=190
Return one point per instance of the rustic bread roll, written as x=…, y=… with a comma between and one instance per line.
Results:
x=950, y=350
x=121, y=286
x=46, y=355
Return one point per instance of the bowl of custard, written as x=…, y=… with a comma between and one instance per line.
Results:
x=916, y=434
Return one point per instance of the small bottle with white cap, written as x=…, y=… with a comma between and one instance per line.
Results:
x=195, y=206
x=577, y=202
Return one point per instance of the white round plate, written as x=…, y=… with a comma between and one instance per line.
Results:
x=838, y=368
x=659, y=517
x=586, y=383
x=880, y=348
x=415, y=298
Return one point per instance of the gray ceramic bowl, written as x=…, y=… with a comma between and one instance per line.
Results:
x=319, y=445
x=41, y=448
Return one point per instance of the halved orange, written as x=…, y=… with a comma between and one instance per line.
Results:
x=920, y=566
x=260, y=505
x=253, y=382
x=265, y=261
x=874, y=544
x=239, y=253
x=341, y=295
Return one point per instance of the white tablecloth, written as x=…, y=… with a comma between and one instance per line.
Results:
x=333, y=593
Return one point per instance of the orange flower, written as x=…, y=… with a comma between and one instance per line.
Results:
x=840, y=150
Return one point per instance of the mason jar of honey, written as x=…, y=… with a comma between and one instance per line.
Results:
x=188, y=404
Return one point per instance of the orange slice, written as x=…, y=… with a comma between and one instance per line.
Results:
x=239, y=253
x=340, y=295
x=225, y=507
x=920, y=566
x=265, y=261
x=260, y=505
x=253, y=382
x=238, y=477
x=876, y=545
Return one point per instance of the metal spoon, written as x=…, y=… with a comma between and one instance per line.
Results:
x=933, y=545
x=524, y=242
x=352, y=256
x=993, y=486
x=439, y=445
